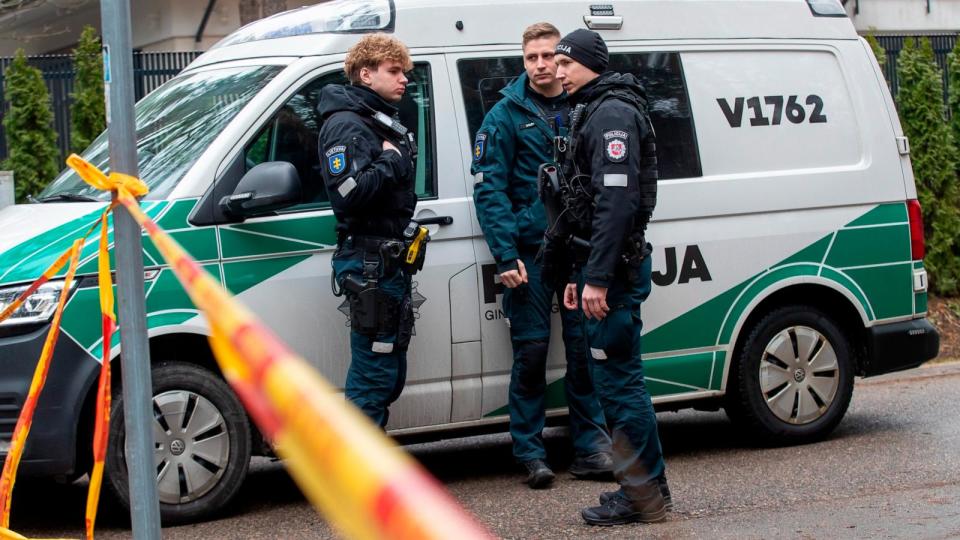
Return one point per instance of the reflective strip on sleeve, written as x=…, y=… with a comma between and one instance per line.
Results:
x=598, y=354
x=381, y=347
x=347, y=186
x=478, y=178
x=615, y=180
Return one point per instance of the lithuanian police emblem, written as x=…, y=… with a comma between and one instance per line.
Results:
x=480, y=146
x=616, y=143
x=337, y=159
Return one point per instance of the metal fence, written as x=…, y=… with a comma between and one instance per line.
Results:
x=942, y=45
x=150, y=70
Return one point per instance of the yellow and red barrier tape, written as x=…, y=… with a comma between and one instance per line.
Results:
x=24, y=421
x=346, y=466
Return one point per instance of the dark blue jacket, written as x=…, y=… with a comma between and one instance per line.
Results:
x=616, y=148
x=514, y=140
x=371, y=189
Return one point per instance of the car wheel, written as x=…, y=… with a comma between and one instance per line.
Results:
x=794, y=376
x=201, y=443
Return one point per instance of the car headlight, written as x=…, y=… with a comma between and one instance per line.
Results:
x=37, y=308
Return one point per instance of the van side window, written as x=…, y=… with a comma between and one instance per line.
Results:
x=291, y=135
x=661, y=73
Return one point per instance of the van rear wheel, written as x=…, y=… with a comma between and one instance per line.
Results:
x=794, y=377
x=201, y=443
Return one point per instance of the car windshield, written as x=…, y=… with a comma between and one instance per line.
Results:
x=175, y=124
x=331, y=17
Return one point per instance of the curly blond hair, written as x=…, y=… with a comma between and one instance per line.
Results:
x=373, y=50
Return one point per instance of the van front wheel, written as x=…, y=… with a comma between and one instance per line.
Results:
x=201, y=443
x=794, y=376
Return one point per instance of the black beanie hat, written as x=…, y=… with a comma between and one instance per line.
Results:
x=586, y=47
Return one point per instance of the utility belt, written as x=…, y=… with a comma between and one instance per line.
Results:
x=407, y=253
x=373, y=312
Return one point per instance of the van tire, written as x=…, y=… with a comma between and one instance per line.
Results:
x=805, y=405
x=211, y=396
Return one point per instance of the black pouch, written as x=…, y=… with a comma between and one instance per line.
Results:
x=363, y=300
x=405, y=330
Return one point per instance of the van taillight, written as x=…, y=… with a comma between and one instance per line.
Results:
x=917, y=247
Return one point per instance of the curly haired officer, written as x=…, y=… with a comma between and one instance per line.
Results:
x=610, y=170
x=513, y=141
x=368, y=162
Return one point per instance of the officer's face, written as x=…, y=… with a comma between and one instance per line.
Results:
x=572, y=74
x=387, y=80
x=538, y=61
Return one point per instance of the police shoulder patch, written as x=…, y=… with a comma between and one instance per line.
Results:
x=615, y=142
x=480, y=146
x=336, y=159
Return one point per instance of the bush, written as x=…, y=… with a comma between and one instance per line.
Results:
x=953, y=94
x=934, y=158
x=87, y=113
x=31, y=140
x=878, y=50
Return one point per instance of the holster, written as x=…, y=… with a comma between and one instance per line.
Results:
x=373, y=312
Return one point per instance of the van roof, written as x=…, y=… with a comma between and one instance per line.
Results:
x=332, y=27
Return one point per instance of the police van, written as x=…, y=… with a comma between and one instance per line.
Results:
x=788, y=241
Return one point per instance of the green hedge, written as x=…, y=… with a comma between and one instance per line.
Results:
x=31, y=141
x=88, y=112
x=935, y=161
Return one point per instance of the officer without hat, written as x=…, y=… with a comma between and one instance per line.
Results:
x=368, y=162
x=611, y=159
x=513, y=141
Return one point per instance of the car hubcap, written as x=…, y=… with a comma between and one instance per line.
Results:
x=192, y=446
x=799, y=375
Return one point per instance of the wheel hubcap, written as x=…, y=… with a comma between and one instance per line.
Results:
x=192, y=446
x=799, y=375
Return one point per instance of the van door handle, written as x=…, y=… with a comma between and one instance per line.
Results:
x=435, y=220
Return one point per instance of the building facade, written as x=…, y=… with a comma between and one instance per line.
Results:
x=904, y=17
x=54, y=26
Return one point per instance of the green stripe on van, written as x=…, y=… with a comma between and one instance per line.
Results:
x=875, y=245
x=882, y=214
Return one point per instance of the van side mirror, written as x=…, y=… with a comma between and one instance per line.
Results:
x=264, y=188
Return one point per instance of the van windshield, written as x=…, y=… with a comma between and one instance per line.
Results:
x=175, y=124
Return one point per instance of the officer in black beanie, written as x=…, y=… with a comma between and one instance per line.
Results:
x=612, y=156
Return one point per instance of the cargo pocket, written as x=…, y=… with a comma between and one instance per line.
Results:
x=612, y=336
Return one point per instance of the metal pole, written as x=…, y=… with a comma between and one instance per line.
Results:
x=137, y=390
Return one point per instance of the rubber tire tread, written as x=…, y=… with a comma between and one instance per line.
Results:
x=166, y=376
x=748, y=408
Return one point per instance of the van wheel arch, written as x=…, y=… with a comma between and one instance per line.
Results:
x=817, y=298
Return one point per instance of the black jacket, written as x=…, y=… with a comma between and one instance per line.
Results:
x=372, y=191
x=616, y=147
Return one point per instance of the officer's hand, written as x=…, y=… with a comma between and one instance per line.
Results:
x=570, y=297
x=595, y=302
x=514, y=278
x=387, y=145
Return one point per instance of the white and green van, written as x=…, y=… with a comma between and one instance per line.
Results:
x=788, y=242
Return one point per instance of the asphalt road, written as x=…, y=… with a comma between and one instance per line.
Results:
x=890, y=470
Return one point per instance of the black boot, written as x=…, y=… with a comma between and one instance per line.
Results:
x=598, y=466
x=644, y=505
x=661, y=483
x=539, y=474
